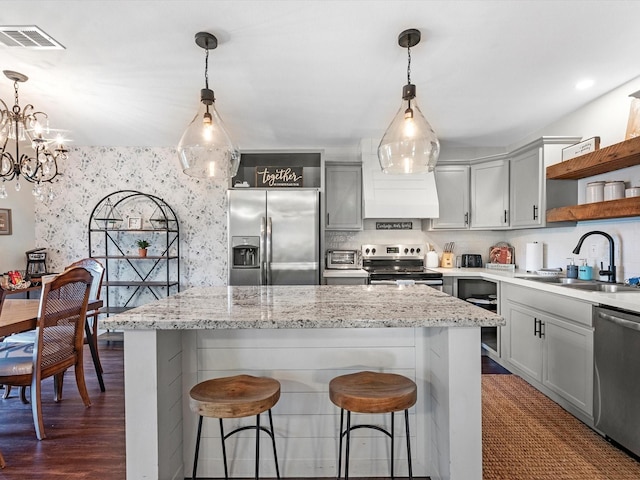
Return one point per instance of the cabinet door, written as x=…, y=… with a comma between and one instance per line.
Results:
x=523, y=347
x=526, y=172
x=452, y=183
x=490, y=195
x=344, y=197
x=568, y=361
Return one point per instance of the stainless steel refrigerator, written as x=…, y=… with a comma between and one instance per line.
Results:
x=274, y=237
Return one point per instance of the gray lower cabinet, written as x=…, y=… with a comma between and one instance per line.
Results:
x=343, y=196
x=548, y=340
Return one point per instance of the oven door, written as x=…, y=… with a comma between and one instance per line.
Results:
x=433, y=283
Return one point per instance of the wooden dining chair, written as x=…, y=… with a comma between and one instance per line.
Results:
x=97, y=271
x=58, y=343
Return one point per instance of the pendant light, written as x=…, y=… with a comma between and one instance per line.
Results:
x=205, y=149
x=409, y=145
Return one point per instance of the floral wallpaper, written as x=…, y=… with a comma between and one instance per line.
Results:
x=92, y=173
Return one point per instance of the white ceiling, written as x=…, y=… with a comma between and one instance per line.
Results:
x=313, y=74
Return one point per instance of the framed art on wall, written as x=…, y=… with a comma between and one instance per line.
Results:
x=135, y=223
x=5, y=221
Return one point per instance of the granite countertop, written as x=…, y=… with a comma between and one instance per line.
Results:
x=628, y=300
x=308, y=306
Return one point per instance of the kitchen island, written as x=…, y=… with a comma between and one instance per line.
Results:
x=303, y=336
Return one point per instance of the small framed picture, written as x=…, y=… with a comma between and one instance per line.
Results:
x=135, y=223
x=5, y=221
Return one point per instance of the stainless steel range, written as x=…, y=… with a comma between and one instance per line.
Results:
x=400, y=263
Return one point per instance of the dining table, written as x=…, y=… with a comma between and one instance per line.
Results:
x=21, y=315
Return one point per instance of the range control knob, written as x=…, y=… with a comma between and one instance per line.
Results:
x=412, y=250
x=373, y=251
x=417, y=250
x=406, y=250
x=366, y=251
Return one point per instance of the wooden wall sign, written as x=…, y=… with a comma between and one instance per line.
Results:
x=587, y=146
x=275, y=177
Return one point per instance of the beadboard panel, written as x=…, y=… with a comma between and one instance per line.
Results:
x=315, y=337
x=305, y=420
x=298, y=381
x=307, y=358
x=368, y=457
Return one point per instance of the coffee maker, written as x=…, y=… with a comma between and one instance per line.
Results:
x=36, y=263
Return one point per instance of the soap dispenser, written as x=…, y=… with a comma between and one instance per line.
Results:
x=584, y=271
x=572, y=269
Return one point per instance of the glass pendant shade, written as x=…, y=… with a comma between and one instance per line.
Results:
x=409, y=145
x=205, y=149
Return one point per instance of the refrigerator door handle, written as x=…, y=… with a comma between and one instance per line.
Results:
x=269, y=250
x=263, y=251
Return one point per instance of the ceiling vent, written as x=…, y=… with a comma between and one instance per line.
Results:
x=28, y=36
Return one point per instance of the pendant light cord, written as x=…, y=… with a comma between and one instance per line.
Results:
x=408, y=65
x=409, y=75
x=206, y=68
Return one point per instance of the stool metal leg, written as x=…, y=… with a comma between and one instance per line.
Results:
x=195, y=459
x=340, y=443
x=257, y=445
x=346, y=459
x=273, y=441
x=392, y=443
x=406, y=425
x=224, y=451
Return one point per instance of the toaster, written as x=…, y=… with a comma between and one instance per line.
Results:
x=471, y=260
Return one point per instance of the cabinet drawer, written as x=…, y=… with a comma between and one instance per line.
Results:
x=555, y=304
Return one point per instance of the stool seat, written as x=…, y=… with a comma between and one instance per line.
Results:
x=234, y=397
x=373, y=392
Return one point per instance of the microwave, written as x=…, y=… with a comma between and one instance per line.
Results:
x=343, y=259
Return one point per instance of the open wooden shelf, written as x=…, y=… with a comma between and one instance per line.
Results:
x=620, y=155
x=625, y=207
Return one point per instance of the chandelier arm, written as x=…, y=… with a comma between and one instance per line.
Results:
x=13, y=172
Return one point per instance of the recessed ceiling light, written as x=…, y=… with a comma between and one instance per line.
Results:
x=584, y=84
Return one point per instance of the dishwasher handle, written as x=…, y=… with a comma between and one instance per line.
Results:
x=620, y=321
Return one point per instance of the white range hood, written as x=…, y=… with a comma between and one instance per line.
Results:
x=395, y=196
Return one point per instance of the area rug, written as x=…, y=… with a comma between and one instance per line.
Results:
x=526, y=436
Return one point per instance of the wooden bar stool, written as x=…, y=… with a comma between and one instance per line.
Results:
x=372, y=392
x=235, y=397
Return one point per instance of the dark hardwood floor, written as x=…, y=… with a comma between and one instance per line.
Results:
x=81, y=443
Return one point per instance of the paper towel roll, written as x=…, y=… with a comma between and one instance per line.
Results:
x=533, y=257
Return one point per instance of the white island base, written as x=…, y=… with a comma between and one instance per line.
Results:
x=161, y=366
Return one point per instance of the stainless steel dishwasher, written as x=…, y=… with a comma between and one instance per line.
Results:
x=616, y=392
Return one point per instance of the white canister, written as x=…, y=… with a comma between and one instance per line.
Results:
x=595, y=192
x=613, y=190
x=432, y=259
x=632, y=192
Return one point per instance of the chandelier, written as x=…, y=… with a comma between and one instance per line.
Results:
x=409, y=145
x=26, y=149
x=205, y=149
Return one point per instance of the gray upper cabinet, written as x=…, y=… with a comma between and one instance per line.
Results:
x=452, y=183
x=343, y=196
x=490, y=195
x=531, y=194
x=526, y=189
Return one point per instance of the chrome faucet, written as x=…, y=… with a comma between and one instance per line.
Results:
x=611, y=273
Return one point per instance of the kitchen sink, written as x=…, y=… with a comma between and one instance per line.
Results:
x=559, y=280
x=603, y=287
